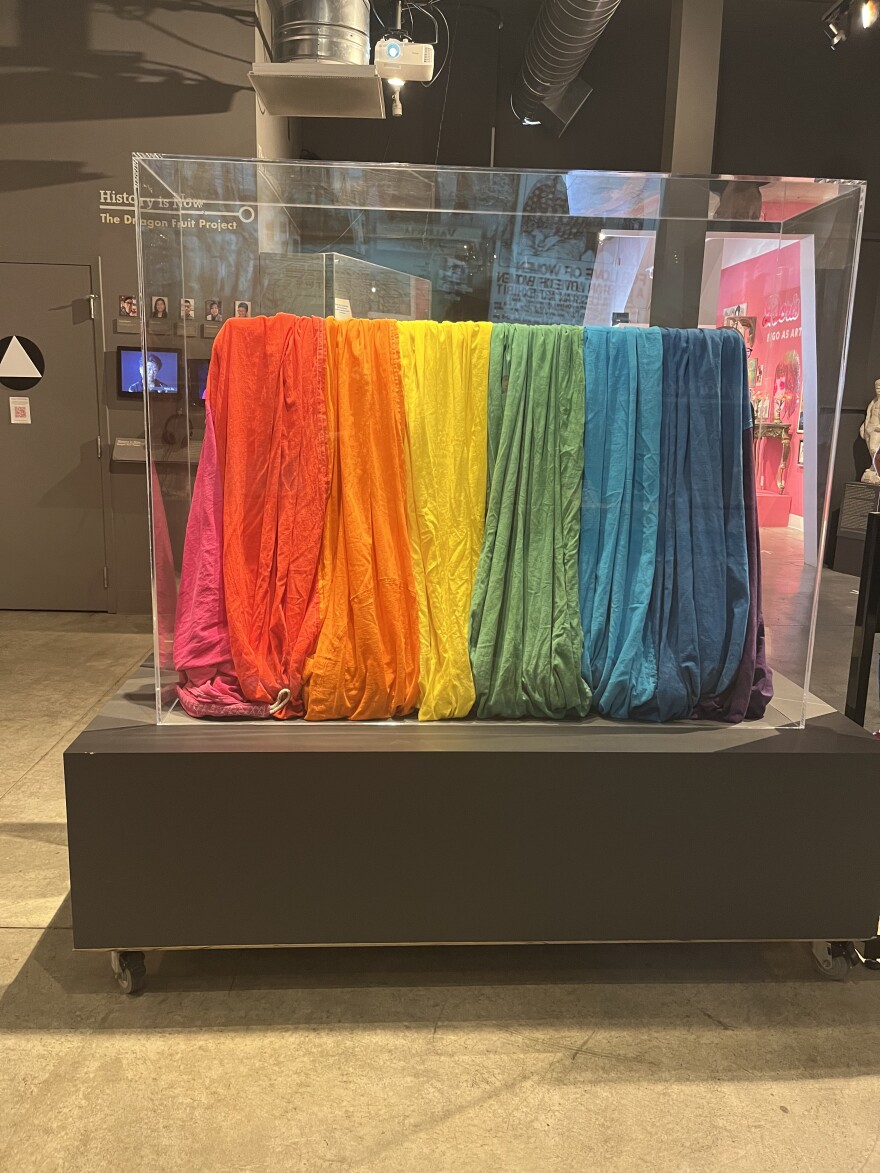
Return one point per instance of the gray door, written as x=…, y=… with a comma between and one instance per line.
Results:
x=52, y=553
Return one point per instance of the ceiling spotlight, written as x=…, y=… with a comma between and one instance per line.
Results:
x=837, y=22
x=395, y=82
x=870, y=13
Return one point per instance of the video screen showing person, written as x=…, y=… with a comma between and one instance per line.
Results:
x=160, y=375
x=198, y=379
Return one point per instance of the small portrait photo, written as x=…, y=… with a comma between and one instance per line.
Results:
x=242, y=309
x=128, y=305
x=159, y=306
x=801, y=453
x=187, y=309
x=800, y=426
x=213, y=310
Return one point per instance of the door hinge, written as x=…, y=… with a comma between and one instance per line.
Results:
x=106, y=579
x=93, y=298
x=100, y=446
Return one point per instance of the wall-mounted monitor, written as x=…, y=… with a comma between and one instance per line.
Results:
x=162, y=376
x=197, y=378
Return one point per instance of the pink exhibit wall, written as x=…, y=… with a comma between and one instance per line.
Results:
x=765, y=290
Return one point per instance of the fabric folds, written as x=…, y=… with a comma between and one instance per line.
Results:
x=752, y=686
x=445, y=367
x=366, y=663
x=699, y=607
x=526, y=640
x=266, y=393
x=512, y=521
x=209, y=686
x=620, y=514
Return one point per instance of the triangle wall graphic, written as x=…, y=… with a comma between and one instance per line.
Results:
x=21, y=363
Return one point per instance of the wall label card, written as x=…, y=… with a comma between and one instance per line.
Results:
x=19, y=409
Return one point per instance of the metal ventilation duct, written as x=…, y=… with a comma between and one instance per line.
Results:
x=320, y=64
x=548, y=88
x=321, y=30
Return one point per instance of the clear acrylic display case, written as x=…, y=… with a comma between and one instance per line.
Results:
x=331, y=283
x=773, y=257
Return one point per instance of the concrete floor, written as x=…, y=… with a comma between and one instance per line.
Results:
x=529, y=1059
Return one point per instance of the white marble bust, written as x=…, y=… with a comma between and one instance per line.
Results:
x=870, y=433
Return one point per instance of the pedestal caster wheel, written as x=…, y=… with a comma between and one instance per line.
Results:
x=835, y=960
x=130, y=970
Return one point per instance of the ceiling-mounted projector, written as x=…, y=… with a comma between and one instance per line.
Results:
x=399, y=61
x=320, y=61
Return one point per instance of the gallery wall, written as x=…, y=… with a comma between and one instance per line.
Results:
x=83, y=84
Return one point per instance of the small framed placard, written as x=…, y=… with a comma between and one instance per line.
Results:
x=19, y=409
x=126, y=326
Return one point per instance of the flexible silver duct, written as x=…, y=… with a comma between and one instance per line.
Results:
x=321, y=30
x=561, y=40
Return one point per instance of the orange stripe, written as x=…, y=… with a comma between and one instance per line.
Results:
x=366, y=664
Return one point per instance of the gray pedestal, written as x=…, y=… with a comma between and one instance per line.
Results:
x=210, y=835
x=858, y=501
